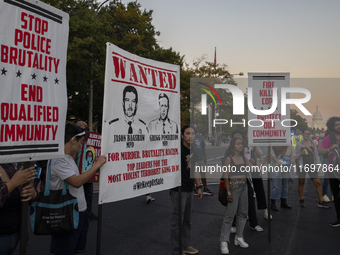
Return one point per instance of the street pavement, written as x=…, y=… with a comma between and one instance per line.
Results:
x=134, y=227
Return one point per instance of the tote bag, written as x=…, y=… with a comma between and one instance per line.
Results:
x=55, y=211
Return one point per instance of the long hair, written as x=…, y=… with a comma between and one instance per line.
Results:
x=231, y=149
x=187, y=126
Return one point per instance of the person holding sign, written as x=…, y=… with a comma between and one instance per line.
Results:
x=188, y=159
x=11, y=195
x=87, y=162
x=66, y=170
x=130, y=124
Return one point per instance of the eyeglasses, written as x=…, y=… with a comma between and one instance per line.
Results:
x=80, y=134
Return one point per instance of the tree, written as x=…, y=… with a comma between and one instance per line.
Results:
x=301, y=122
x=207, y=73
x=127, y=26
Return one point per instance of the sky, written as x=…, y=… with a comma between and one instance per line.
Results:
x=299, y=37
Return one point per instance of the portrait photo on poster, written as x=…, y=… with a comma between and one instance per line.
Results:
x=163, y=124
x=129, y=124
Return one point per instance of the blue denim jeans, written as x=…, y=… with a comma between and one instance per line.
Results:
x=325, y=183
x=279, y=179
x=8, y=243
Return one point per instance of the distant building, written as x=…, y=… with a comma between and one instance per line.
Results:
x=317, y=121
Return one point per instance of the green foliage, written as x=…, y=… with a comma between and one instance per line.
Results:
x=90, y=28
x=301, y=122
x=206, y=72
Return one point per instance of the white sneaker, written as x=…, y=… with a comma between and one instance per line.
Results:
x=240, y=241
x=233, y=230
x=265, y=215
x=149, y=198
x=257, y=228
x=326, y=198
x=224, y=248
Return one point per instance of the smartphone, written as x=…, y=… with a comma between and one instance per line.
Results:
x=38, y=171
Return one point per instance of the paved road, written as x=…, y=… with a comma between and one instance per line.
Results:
x=134, y=227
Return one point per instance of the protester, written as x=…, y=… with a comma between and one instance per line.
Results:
x=236, y=186
x=254, y=225
x=307, y=158
x=66, y=170
x=201, y=157
x=188, y=159
x=282, y=155
x=296, y=138
x=88, y=186
x=329, y=145
x=252, y=154
x=324, y=160
x=11, y=195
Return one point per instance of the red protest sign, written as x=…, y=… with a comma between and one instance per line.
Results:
x=90, y=151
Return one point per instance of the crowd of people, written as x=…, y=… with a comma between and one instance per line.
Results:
x=304, y=154
x=13, y=192
x=243, y=189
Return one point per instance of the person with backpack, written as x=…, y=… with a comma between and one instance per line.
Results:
x=330, y=146
x=65, y=170
x=307, y=155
